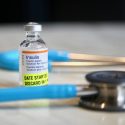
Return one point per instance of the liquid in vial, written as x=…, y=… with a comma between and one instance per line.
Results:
x=33, y=64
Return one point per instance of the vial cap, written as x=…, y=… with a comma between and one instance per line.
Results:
x=32, y=26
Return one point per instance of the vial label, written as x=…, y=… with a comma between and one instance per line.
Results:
x=34, y=67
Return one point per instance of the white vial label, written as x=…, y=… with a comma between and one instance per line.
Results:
x=34, y=67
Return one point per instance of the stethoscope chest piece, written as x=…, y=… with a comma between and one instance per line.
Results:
x=111, y=91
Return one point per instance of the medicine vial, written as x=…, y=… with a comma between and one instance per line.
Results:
x=33, y=57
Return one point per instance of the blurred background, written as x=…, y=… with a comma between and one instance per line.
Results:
x=65, y=22
x=61, y=10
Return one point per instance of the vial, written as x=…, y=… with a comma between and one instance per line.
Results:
x=33, y=57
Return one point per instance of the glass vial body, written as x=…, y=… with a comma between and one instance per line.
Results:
x=33, y=60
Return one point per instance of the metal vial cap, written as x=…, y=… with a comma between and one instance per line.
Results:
x=32, y=26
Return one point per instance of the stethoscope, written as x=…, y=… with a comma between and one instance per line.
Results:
x=105, y=92
x=9, y=60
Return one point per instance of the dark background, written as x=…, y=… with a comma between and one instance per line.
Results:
x=12, y=11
